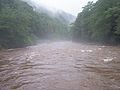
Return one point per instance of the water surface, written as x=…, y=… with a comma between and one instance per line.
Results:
x=61, y=66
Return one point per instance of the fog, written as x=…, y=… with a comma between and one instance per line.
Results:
x=70, y=6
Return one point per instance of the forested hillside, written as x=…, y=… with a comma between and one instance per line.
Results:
x=99, y=22
x=20, y=25
x=52, y=12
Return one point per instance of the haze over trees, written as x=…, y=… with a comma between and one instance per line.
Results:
x=99, y=22
x=21, y=25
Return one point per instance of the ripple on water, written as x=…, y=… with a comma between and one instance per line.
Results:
x=60, y=65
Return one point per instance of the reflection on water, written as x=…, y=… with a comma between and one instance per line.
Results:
x=60, y=66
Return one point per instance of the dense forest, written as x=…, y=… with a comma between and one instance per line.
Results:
x=21, y=25
x=99, y=22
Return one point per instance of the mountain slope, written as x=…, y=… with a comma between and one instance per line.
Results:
x=54, y=13
x=20, y=25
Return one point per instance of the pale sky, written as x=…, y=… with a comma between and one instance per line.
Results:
x=71, y=6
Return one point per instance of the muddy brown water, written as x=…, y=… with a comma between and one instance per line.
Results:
x=61, y=66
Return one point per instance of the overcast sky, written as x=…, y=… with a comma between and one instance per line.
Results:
x=71, y=6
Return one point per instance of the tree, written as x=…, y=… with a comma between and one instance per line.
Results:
x=99, y=21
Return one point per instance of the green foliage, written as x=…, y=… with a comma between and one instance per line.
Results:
x=99, y=21
x=20, y=25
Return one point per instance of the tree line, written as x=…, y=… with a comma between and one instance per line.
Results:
x=99, y=22
x=20, y=25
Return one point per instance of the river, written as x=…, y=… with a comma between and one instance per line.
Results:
x=61, y=65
